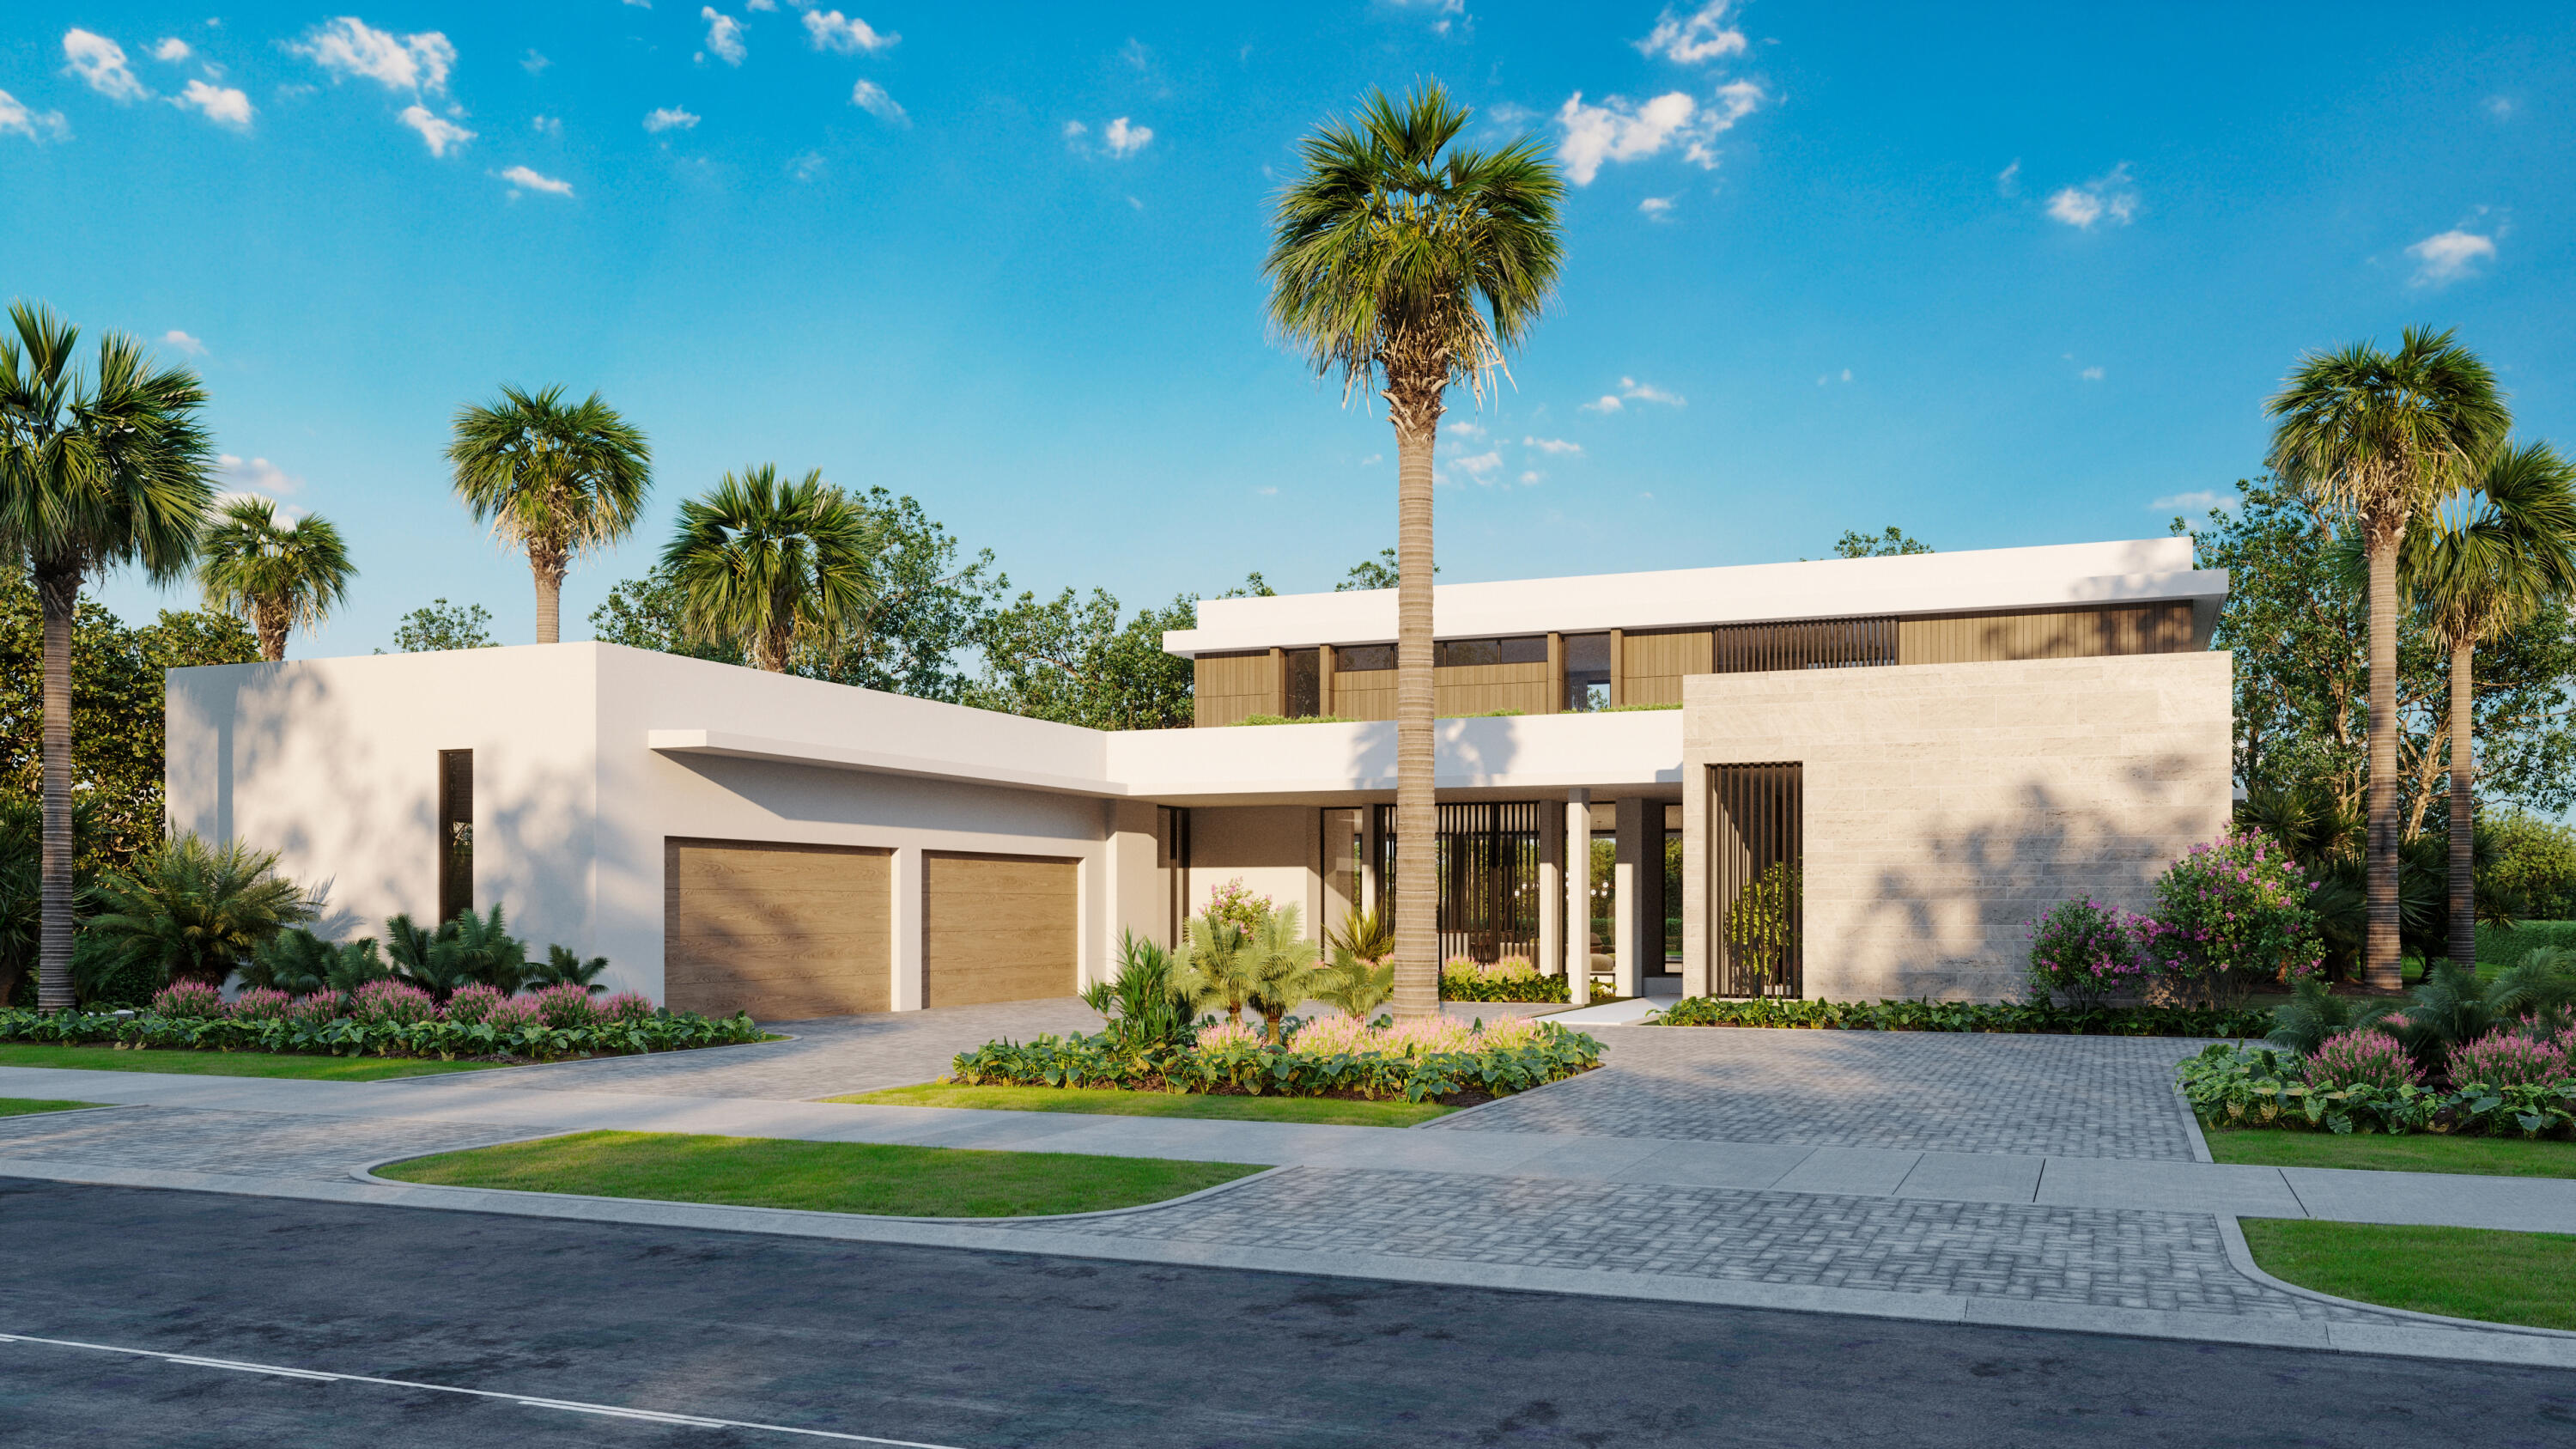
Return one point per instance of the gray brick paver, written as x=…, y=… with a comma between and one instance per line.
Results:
x=250, y=1144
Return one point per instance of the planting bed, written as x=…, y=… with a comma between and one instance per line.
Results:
x=1331, y=1111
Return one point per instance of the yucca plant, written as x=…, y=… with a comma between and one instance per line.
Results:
x=190, y=911
x=1367, y=935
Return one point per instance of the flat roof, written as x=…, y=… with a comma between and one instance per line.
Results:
x=1976, y=580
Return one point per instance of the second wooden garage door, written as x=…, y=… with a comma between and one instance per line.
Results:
x=998, y=928
x=780, y=931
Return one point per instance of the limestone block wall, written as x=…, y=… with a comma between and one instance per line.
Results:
x=1946, y=805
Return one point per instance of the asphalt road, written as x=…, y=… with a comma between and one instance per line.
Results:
x=970, y=1350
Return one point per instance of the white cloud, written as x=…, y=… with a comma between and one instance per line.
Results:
x=872, y=98
x=1531, y=476
x=1124, y=139
x=1605, y=404
x=1372, y=460
x=2446, y=257
x=2008, y=180
x=669, y=118
x=101, y=62
x=1464, y=429
x=1825, y=378
x=534, y=63
x=185, y=343
x=2091, y=374
x=2198, y=502
x=1552, y=445
x=1702, y=36
x=845, y=34
x=769, y=5
x=1657, y=208
x=2110, y=196
x=440, y=133
x=523, y=179
x=2500, y=107
x=1636, y=391
x=17, y=120
x=349, y=47
x=1480, y=467
x=1617, y=130
x=256, y=475
x=173, y=50
x=724, y=35
x=220, y=104
x=807, y=166
x=546, y=125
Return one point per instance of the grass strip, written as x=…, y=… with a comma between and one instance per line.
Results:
x=2480, y=1273
x=227, y=1064
x=28, y=1106
x=832, y=1177
x=1118, y=1102
x=2477, y=1156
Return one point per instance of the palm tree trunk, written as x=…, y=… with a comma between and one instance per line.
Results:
x=58, y=588
x=549, y=569
x=2464, y=895
x=1417, y=813
x=272, y=630
x=2382, y=967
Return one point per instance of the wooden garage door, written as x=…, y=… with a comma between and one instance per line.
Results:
x=780, y=931
x=998, y=928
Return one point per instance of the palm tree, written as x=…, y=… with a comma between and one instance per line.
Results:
x=276, y=577
x=2481, y=574
x=555, y=478
x=770, y=567
x=191, y=911
x=95, y=472
x=1408, y=271
x=2382, y=438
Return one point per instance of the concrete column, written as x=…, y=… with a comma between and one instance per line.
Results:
x=1627, y=922
x=1578, y=904
x=906, y=920
x=1652, y=908
x=1696, y=928
x=1551, y=888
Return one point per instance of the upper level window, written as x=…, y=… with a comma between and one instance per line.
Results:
x=1305, y=695
x=1587, y=671
x=1363, y=658
x=1468, y=653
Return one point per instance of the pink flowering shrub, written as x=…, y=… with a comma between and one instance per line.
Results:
x=1426, y=1035
x=2232, y=915
x=1228, y=1033
x=2084, y=952
x=566, y=1005
x=1332, y=1036
x=318, y=1009
x=1509, y=968
x=261, y=1004
x=2509, y=1059
x=1348, y=1036
x=473, y=1003
x=187, y=999
x=511, y=1012
x=391, y=1003
x=2366, y=1058
x=626, y=1006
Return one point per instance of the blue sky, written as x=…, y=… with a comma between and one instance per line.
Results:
x=1998, y=274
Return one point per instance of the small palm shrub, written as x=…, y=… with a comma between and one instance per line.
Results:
x=626, y=1006
x=195, y=999
x=566, y=1005
x=2509, y=1059
x=261, y=1004
x=1282, y=969
x=472, y=1003
x=194, y=911
x=564, y=968
x=1354, y=986
x=2362, y=1059
x=2314, y=1013
x=2083, y=953
x=394, y=1003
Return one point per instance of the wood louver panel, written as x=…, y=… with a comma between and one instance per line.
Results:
x=780, y=931
x=999, y=928
x=2159, y=628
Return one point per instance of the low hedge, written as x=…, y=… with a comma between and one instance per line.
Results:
x=1099, y=1061
x=2262, y=1087
x=2501, y=948
x=1476, y=986
x=2009, y=1016
x=346, y=1037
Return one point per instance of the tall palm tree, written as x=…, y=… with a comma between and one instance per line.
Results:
x=97, y=471
x=770, y=567
x=2382, y=438
x=277, y=577
x=553, y=477
x=2487, y=569
x=1408, y=270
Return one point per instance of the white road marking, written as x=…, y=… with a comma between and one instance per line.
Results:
x=572, y=1406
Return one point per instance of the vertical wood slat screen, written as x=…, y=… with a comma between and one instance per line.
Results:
x=455, y=833
x=1804, y=644
x=1487, y=859
x=1757, y=889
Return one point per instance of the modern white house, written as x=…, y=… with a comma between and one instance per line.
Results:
x=1858, y=777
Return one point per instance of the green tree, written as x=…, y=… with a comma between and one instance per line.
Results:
x=555, y=479
x=439, y=625
x=1408, y=266
x=2380, y=438
x=1371, y=573
x=277, y=577
x=1893, y=543
x=1069, y=659
x=772, y=568
x=194, y=911
x=2485, y=569
x=2535, y=863
x=97, y=471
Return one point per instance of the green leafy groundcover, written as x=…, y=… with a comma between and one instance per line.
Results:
x=2009, y=1016
x=1474, y=986
x=2262, y=1087
x=346, y=1037
x=1099, y=1061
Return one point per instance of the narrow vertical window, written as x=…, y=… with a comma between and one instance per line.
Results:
x=455, y=833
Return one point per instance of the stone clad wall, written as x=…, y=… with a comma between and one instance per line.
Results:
x=1946, y=805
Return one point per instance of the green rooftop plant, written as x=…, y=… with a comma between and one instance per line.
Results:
x=276, y=576
x=556, y=478
x=772, y=567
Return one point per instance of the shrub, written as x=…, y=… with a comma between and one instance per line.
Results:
x=626, y=1006
x=2266, y=1087
x=473, y=1003
x=195, y=911
x=2370, y=1058
x=1332, y=1036
x=2010, y=1016
x=390, y=1003
x=1355, y=986
x=2500, y=945
x=194, y=999
x=462, y=951
x=511, y=1013
x=2232, y=914
x=2508, y=1059
x=1226, y=1033
x=562, y=967
x=261, y=1004
x=566, y=1005
x=310, y=1026
x=318, y=1009
x=1231, y=1058
x=2083, y=953
x=1234, y=904
x=1148, y=1005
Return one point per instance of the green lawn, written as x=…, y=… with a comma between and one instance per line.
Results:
x=2482, y=1156
x=1330, y=1111
x=226, y=1064
x=23, y=1106
x=835, y=1177
x=2496, y=1277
